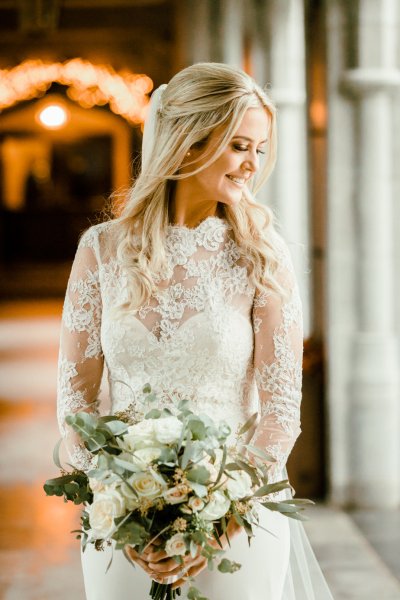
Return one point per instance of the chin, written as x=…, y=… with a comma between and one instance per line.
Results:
x=232, y=200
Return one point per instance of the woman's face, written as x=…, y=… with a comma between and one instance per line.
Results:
x=224, y=180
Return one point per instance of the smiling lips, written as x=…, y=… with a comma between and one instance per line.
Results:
x=238, y=180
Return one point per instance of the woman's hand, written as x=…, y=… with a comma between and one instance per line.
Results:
x=160, y=567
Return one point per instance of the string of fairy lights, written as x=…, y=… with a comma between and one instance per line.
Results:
x=87, y=84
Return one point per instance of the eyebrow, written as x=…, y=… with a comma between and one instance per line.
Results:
x=243, y=137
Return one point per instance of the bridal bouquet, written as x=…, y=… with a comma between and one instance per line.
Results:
x=168, y=480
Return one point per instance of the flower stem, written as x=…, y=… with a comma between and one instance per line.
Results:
x=163, y=591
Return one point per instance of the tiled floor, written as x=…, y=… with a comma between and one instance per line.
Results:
x=359, y=552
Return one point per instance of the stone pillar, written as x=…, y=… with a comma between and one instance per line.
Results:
x=374, y=382
x=194, y=32
x=289, y=186
x=231, y=35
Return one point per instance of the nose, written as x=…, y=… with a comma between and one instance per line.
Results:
x=252, y=162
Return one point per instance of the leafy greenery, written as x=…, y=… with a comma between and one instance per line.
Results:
x=73, y=486
x=179, y=464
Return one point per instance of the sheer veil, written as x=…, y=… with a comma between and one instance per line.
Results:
x=304, y=578
x=150, y=124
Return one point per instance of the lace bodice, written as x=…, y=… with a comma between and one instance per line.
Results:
x=206, y=335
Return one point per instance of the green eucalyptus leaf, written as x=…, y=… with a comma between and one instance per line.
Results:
x=93, y=446
x=249, y=423
x=281, y=507
x=168, y=456
x=260, y=453
x=228, y=566
x=222, y=466
x=297, y=516
x=270, y=488
x=251, y=471
x=187, y=453
x=56, y=454
x=195, y=594
x=238, y=519
x=117, y=427
x=198, y=428
x=299, y=501
x=154, y=413
x=198, y=474
x=183, y=405
x=124, y=464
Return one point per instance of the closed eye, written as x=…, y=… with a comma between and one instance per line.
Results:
x=240, y=148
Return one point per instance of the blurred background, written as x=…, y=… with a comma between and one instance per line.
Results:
x=75, y=81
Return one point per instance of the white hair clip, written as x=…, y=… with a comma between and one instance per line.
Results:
x=155, y=107
x=160, y=92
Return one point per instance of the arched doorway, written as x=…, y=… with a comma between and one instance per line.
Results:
x=67, y=138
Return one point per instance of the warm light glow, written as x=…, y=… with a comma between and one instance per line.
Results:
x=53, y=116
x=88, y=84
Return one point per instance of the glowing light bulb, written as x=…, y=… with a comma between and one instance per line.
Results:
x=53, y=116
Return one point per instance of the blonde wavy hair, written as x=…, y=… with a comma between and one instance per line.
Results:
x=197, y=100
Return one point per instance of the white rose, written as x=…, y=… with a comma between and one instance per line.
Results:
x=176, y=545
x=139, y=435
x=107, y=482
x=239, y=486
x=195, y=503
x=216, y=508
x=168, y=430
x=146, y=485
x=144, y=456
x=106, y=506
x=96, y=485
x=176, y=494
x=131, y=499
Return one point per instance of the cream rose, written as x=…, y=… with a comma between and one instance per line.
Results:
x=146, y=485
x=176, y=546
x=96, y=485
x=140, y=435
x=216, y=508
x=131, y=499
x=239, y=486
x=99, y=485
x=176, y=494
x=144, y=456
x=196, y=504
x=106, y=506
x=168, y=430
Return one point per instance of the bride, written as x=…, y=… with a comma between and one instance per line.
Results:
x=192, y=290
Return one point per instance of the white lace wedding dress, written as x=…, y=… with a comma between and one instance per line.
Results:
x=208, y=336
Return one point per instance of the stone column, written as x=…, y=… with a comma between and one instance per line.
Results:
x=289, y=186
x=230, y=42
x=193, y=31
x=374, y=382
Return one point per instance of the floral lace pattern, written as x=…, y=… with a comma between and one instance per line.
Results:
x=206, y=335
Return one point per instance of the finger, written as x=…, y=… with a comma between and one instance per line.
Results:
x=192, y=572
x=165, y=566
x=156, y=556
x=178, y=571
x=147, y=557
x=152, y=549
x=143, y=565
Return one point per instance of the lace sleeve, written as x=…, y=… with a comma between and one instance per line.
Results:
x=80, y=363
x=278, y=351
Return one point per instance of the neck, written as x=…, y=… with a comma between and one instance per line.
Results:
x=189, y=207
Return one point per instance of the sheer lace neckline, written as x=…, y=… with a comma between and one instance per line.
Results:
x=210, y=222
